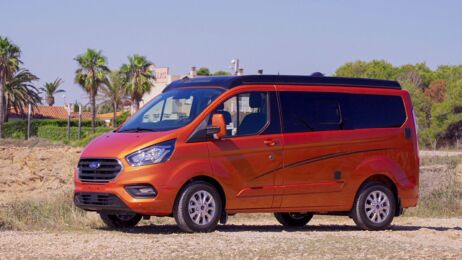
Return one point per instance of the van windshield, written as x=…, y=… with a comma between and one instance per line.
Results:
x=171, y=110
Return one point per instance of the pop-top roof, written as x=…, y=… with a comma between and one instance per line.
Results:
x=234, y=81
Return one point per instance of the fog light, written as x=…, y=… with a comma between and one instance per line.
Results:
x=141, y=191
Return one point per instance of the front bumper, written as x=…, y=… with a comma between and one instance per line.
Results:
x=121, y=200
x=96, y=201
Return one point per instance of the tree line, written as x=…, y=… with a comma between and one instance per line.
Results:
x=132, y=80
x=17, y=90
x=436, y=95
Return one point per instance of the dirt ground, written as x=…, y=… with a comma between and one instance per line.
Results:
x=34, y=169
x=245, y=237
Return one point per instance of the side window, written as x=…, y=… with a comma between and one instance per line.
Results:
x=315, y=111
x=245, y=113
x=376, y=111
x=328, y=116
x=311, y=111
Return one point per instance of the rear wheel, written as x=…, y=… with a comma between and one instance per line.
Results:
x=198, y=208
x=293, y=219
x=120, y=220
x=375, y=207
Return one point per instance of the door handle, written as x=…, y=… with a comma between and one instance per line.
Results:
x=270, y=142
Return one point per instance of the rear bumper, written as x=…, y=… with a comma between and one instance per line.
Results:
x=409, y=196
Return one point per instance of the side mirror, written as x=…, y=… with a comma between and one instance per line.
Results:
x=218, y=128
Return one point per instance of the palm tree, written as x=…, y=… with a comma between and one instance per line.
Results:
x=139, y=76
x=19, y=92
x=9, y=64
x=51, y=89
x=90, y=75
x=114, y=93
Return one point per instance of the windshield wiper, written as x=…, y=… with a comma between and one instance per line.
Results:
x=137, y=130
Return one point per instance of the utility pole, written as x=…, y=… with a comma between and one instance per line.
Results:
x=235, y=66
x=80, y=121
x=68, y=122
x=29, y=112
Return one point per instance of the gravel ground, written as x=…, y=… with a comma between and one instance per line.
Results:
x=258, y=236
x=245, y=236
x=430, y=153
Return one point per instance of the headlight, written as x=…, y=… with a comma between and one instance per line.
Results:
x=153, y=154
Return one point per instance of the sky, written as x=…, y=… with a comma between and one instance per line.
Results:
x=286, y=37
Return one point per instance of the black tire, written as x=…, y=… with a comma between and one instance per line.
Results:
x=293, y=219
x=182, y=212
x=381, y=220
x=121, y=220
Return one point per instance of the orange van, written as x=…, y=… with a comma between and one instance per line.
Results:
x=295, y=146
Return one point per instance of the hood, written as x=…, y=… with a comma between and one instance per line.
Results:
x=119, y=145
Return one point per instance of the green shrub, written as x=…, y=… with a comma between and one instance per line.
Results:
x=18, y=135
x=15, y=129
x=122, y=118
x=18, y=128
x=57, y=133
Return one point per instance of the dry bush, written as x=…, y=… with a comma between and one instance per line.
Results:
x=440, y=188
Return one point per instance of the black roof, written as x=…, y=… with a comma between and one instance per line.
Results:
x=234, y=81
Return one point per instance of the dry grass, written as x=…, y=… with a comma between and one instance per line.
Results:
x=32, y=142
x=440, y=188
x=56, y=213
x=47, y=199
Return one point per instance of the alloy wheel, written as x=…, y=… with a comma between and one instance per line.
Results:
x=377, y=206
x=202, y=207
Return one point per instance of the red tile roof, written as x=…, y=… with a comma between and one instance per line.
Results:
x=54, y=112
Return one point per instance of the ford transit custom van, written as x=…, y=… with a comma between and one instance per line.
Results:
x=294, y=146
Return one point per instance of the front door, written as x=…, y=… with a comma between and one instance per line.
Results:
x=250, y=155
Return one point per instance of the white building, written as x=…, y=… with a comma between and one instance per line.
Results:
x=162, y=79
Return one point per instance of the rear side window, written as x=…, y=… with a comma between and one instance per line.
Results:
x=315, y=111
x=374, y=111
x=328, y=112
x=310, y=111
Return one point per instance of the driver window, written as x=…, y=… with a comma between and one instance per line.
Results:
x=245, y=113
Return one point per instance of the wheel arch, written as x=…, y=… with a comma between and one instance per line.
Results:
x=384, y=170
x=386, y=181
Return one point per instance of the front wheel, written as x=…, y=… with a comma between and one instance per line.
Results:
x=293, y=219
x=198, y=208
x=120, y=220
x=375, y=207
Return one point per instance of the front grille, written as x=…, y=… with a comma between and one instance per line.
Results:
x=107, y=170
x=98, y=201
